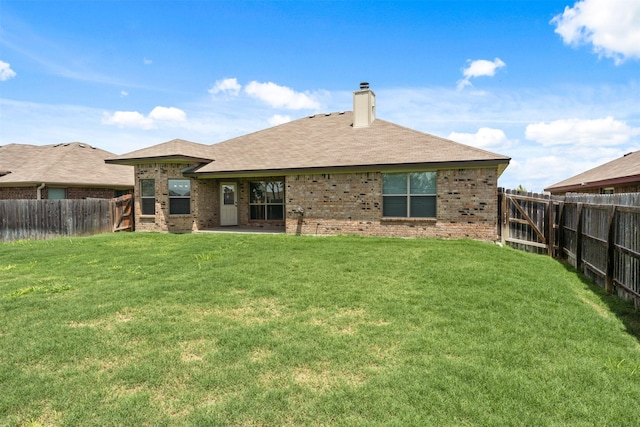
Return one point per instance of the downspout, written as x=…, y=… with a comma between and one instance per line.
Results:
x=39, y=191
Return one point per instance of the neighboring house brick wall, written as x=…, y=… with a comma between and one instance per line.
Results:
x=8, y=193
x=628, y=188
x=89, y=193
x=72, y=193
x=352, y=204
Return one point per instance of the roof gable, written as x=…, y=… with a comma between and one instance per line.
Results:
x=176, y=150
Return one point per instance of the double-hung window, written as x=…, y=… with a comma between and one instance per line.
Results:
x=409, y=195
x=266, y=200
x=148, y=196
x=179, y=196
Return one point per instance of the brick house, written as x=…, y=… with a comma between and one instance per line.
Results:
x=621, y=175
x=337, y=173
x=61, y=171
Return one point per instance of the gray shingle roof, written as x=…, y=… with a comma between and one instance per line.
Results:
x=330, y=141
x=322, y=141
x=177, y=150
x=63, y=164
x=625, y=169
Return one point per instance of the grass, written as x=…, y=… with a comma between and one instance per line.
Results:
x=157, y=329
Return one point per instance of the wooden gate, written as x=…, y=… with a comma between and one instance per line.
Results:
x=122, y=213
x=528, y=221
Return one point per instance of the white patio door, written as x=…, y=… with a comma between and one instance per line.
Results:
x=228, y=204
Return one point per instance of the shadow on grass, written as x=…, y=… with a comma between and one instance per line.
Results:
x=624, y=310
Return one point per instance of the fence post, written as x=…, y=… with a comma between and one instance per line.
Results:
x=551, y=235
x=560, y=221
x=579, y=238
x=611, y=247
x=504, y=223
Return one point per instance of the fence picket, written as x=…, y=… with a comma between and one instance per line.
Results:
x=596, y=233
x=43, y=219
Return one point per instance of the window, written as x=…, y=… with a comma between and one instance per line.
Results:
x=179, y=197
x=607, y=190
x=409, y=195
x=57, y=193
x=267, y=200
x=148, y=196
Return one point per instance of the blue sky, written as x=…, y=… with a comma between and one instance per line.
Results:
x=555, y=85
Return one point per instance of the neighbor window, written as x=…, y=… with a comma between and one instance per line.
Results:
x=608, y=190
x=179, y=196
x=409, y=195
x=148, y=196
x=57, y=193
x=266, y=200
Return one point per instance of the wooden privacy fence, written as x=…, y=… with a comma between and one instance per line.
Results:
x=44, y=219
x=597, y=234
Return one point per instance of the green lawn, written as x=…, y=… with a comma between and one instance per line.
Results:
x=233, y=329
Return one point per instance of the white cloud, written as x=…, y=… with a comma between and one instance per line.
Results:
x=486, y=138
x=124, y=93
x=597, y=132
x=127, y=119
x=6, y=72
x=147, y=61
x=279, y=119
x=479, y=68
x=229, y=86
x=281, y=96
x=168, y=114
x=611, y=26
x=135, y=119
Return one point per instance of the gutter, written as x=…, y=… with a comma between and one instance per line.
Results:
x=39, y=191
x=396, y=167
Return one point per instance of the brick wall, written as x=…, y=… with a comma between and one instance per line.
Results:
x=352, y=204
x=8, y=193
x=627, y=188
x=162, y=220
x=349, y=203
x=93, y=193
x=72, y=193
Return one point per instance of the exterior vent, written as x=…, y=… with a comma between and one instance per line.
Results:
x=364, y=85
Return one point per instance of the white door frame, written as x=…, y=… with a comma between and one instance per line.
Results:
x=228, y=207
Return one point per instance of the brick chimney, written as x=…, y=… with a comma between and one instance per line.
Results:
x=364, y=106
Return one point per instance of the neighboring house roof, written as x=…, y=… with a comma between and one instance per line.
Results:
x=624, y=170
x=177, y=150
x=69, y=164
x=325, y=141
